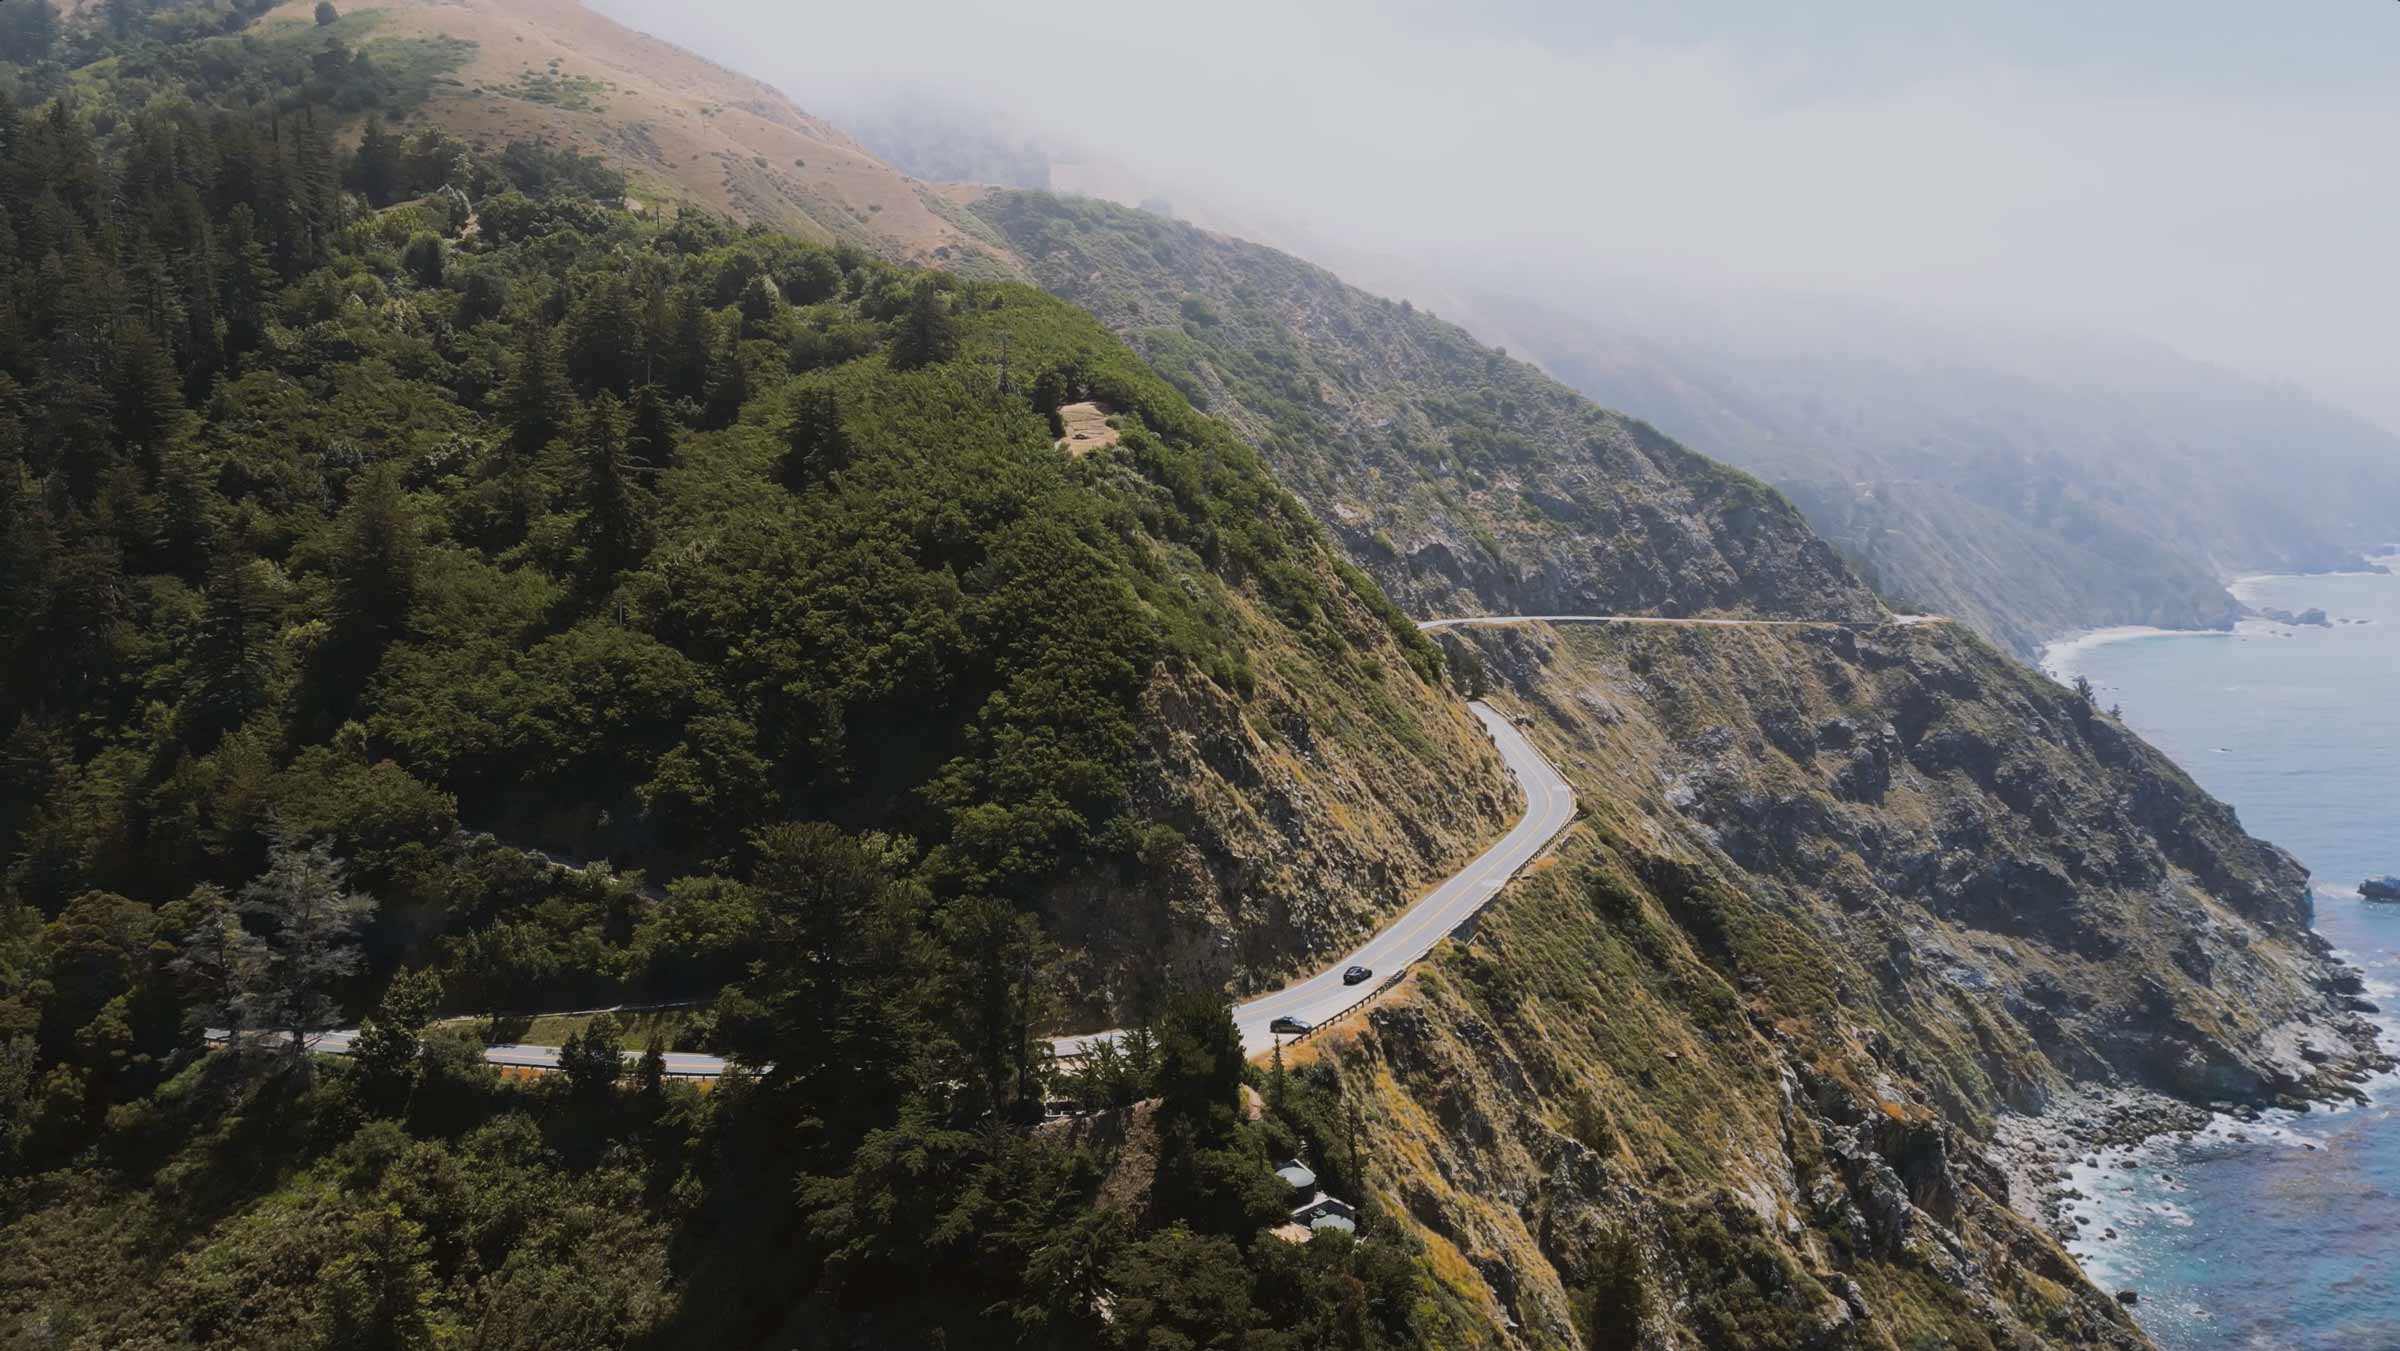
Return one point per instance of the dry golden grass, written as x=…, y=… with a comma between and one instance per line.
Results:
x=682, y=129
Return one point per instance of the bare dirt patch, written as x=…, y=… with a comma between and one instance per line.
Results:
x=1086, y=428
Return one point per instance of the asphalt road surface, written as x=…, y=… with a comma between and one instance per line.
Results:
x=680, y=1064
x=1549, y=805
x=1488, y=621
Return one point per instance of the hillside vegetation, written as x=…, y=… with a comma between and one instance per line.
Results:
x=378, y=516
x=1463, y=480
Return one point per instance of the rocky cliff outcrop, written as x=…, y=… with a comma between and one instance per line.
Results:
x=1285, y=826
x=1842, y=903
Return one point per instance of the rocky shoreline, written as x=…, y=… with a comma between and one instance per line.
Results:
x=2057, y=1161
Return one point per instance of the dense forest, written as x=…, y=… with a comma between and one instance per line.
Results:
x=407, y=555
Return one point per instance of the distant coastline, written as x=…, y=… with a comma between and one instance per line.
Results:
x=2060, y=655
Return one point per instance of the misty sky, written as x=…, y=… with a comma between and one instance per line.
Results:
x=2214, y=175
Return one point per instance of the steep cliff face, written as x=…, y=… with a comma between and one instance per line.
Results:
x=1463, y=480
x=1282, y=827
x=1728, y=1066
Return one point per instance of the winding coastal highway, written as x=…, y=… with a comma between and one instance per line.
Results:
x=1549, y=806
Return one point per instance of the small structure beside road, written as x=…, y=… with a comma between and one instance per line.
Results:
x=1316, y=1211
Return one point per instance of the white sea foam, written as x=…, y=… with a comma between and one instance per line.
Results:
x=2061, y=657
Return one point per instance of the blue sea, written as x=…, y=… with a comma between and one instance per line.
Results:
x=2283, y=1233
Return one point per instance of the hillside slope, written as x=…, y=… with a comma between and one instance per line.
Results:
x=679, y=127
x=1463, y=480
x=2031, y=484
x=1731, y=1067
x=436, y=588
x=2028, y=482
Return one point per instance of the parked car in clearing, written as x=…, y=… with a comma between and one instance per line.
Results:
x=1356, y=974
x=1290, y=1027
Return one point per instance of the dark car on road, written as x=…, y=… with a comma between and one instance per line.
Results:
x=1356, y=974
x=1290, y=1027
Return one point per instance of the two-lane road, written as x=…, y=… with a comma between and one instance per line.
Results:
x=1549, y=806
x=680, y=1064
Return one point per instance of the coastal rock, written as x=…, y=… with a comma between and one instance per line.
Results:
x=2312, y=617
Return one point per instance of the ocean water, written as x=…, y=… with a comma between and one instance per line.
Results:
x=2284, y=1233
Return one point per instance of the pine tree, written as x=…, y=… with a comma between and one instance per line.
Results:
x=233, y=659
x=28, y=31
x=223, y=964
x=536, y=399
x=690, y=347
x=615, y=528
x=378, y=1292
x=650, y=1078
x=390, y=1044
x=315, y=922
x=814, y=442
x=146, y=394
x=928, y=332
x=728, y=386
x=650, y=436
x=374, y=560
x=997, y=997
x=375, y=172
x=603, y=343
x=248, y=276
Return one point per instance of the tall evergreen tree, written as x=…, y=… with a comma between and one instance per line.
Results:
x=314, y=922
x=928, y=331
x=389, y=1048
x=650, y=435
x=375, y=171
x=374, y=560
x=728, y=385
x=536, y=399
x=248, y=275
x=814, y=443
x=233, y=657
x=604, y=333
x=223, y=963
x=615, y=528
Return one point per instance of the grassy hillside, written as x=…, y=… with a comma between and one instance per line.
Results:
x=1464, y=481
x=681, y=129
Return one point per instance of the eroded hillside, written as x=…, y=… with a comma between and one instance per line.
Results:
x=1465, y=481
x=1842, y=900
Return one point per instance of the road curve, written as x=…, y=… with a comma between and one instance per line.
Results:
x=1491, y=621
x=1549, y=806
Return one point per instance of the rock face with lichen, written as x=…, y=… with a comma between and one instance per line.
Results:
x=1842, y=902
